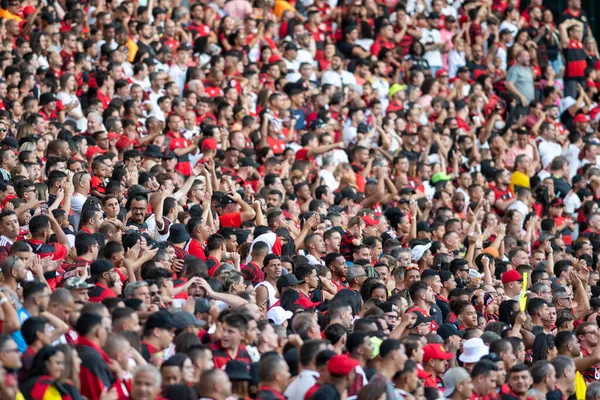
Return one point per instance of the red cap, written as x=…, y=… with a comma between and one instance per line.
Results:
x=370, y=221
x=580, y=118
x=511, y=276
x=306, y=303
x=341, y=364
x=440, y=72
x=557, y=202
x=274, y=58
x=28, y=10
x=435, y=352
x=93, y=150
x=124, y=142
x=209, y=144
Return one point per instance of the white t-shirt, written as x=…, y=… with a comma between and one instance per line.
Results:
x=433, y=57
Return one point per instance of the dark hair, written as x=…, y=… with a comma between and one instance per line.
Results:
x=541, y=344
x=31, y=327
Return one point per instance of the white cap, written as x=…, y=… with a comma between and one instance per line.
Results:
x=473, y=273
x=418, y=251
x=453, y=377
x=278, y=315
x=473, y=350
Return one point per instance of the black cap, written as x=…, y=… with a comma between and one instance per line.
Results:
x=290, y=46
x=72, y=124
x=434, y=15
x=202, y=305
x=248, y=162
x=178, y=233
x=362, y=128
x=421, y=319
x=287, y=280
x=318, y=124
x=423, y=226
x=134, y=190
x=238, y=371
x=449, y=329
x=226, y=200
x=169, y=155
x=160, y=319
x=464, y=68
x=505, y=31
x=46, y=98
x=183, y=319
x=153, y=151
x=99, y=267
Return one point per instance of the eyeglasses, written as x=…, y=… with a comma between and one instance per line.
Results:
x=590, y=333
x=15, y=350
x=566, y=298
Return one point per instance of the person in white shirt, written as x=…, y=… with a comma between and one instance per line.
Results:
x=306, y=379
x=432, y=41
x=337, y=76
x=178, y=69
x=547, y=145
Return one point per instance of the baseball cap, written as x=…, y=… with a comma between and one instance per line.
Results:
x=202, y=305
x=448, y=329
x=418, y=251
x=341, y=364
x=370, y=221
x=75, y=283
x=153, y=151
x=395, y=88
x=279, y=315
x=134, y=190
x=435, y=352
x=423, y=226
x=287, y=280
x=46, y=98
x=434, y=15
x=505, y=31
x=511, y=276
x=580, y=118
x=453, y=377
x=440, y=176
x=557, y=202
x=160, y=319
x=99, y=267
x=93, y=150
x=183, y=319
x=248, y=162
x=209, y=144
x=421, y=319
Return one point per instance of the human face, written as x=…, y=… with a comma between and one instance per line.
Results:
x=519, y=382
x=144, y=386
x=380, y=294
x=10, y=226
x=112, y=208
x=231, y=337
x=138, y=210
x=9, y=355
x=333, y=243
x=143, y=294
x=273, y=269
x=469, y=317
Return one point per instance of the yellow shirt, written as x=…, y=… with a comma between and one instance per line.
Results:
x=281, y=6
x=7, y=15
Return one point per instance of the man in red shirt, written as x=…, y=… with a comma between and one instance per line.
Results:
x=235, y=211
x=105, y=278
x=435, y=362
x=504, y=197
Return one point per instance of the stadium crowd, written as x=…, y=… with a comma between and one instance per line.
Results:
x=302, y=200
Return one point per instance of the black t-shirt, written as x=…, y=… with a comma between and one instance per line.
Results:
x=346, y=49
x=326, y=392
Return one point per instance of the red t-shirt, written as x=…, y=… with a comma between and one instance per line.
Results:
x=231, y=220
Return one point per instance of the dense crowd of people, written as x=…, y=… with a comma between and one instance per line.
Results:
x=302, y=200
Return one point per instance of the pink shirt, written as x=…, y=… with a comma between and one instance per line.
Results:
x=514, y=152
x=446, y=38
x=238, y=9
